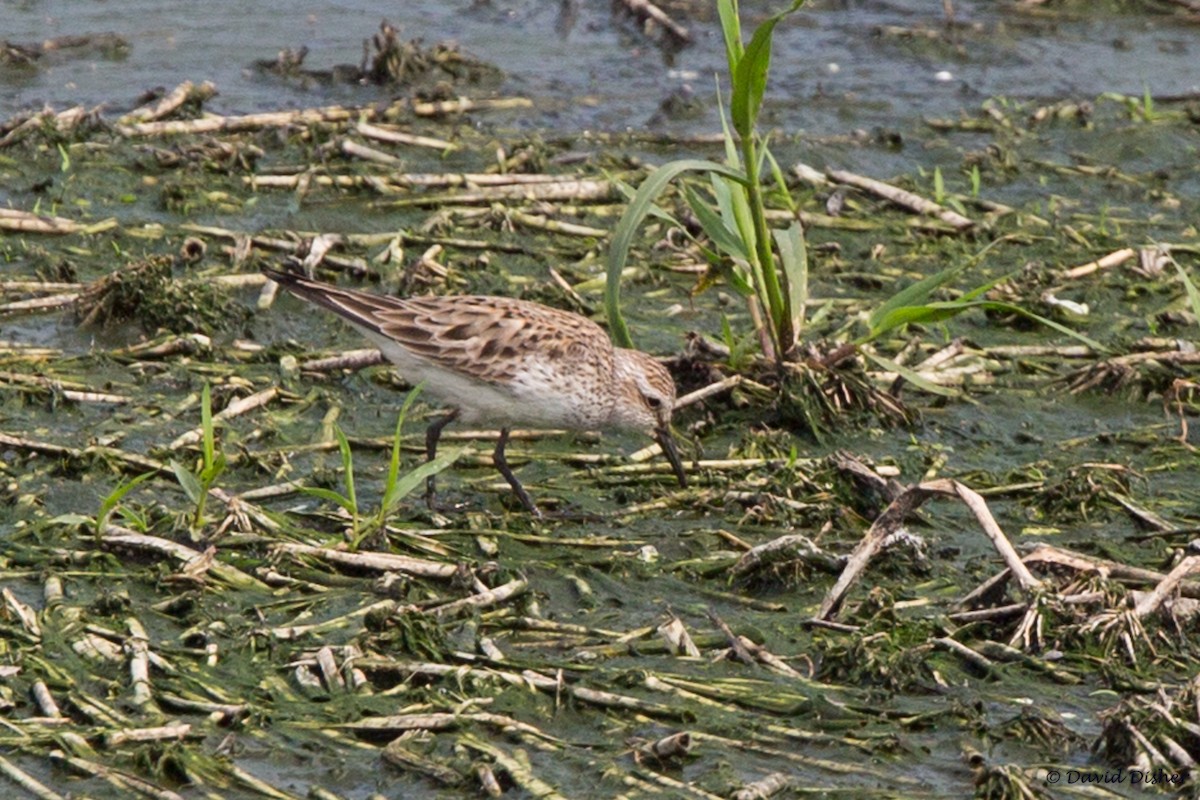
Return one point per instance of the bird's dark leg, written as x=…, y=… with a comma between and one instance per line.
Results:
x=432, y=434
x=502, y=464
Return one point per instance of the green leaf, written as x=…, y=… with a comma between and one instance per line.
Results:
x=731, y=270
x=347, y=470
x=732, y=157
x=913, y=295
x=923, y=314
x=1192, y=293
x=912, y=376
x=1010, y=308
x=781, y=187
x=714, y=226
x=793, y=257
x=118, y=494
x=734, y=202
x=750, y=79
x=333, y=497
x=656, y=211
x=416, y=477
x=70, y=519
x=208, y=476
x=206, y=424
x=188, y=482
x=731, y=28
x=734, y=205
x=750, y=74
x=936, y=312
x=635, y=212
x=394, y=463
x=737, y=279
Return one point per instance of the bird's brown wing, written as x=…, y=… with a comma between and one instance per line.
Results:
x=487, y=338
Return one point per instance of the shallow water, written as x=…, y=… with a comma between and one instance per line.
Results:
x=832, y=76
x=832, y=71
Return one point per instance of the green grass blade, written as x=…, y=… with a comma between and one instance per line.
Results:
x=734, y=203
x=781, y=187
x=635, y=212
x=714, y=226
x=750, y=79
x=732, y=155
x=735, y=211
x=206, y=424
x=936, y=312
x=656, y=211
x=750, y=75
x=116, y=496
x=923, y=314
x=347, y=469
x=793, y=258
x=329, y=495
x=913, y=295
x=1192, y=293
x=394, y=464
x=188, y=482
x=992, y=305
x=731, y=28
x=211, y=471
x=912, y=376
x=416, y=477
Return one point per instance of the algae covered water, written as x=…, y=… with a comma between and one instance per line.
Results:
x=207, y=592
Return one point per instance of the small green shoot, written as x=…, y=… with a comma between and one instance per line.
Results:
x=1192, y=292
x=115, y=497
x=349, y=500
x=196, y=486
x=739, y=348
x=396, y=487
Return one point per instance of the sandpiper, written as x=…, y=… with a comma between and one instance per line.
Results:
x=507, y=363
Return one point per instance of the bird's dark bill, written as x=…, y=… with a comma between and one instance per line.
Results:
x=663, y=436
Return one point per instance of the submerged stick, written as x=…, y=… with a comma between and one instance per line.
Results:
x=383, y=562
x=392, y=136
x=893, y=517
x=1111, y=260
x=901, y=197
x=234, y=409
x=27, y=782
x=517, y=768
x=647, y=13
x=123, y=537
x=1154, y=599
x=170, y=102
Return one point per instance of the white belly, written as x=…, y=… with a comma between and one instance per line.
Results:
x=541, y=395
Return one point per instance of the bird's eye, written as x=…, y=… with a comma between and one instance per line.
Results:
x=654, y=402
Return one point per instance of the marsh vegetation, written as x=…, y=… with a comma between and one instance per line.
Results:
x=939, y=533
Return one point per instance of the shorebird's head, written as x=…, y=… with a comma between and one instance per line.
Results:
x=646, y=401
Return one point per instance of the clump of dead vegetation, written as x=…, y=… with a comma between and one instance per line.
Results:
x=148, y=293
